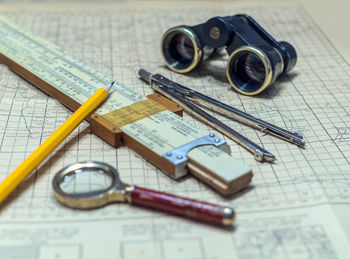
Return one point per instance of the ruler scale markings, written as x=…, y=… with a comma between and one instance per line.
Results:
x=46, y=68
x=58, y=52
x=151, y=136
x=72, y=87
x=73, y=63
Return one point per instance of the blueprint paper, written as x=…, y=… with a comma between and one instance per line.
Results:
x=287, y=210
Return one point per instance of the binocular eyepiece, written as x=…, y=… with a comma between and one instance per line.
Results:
x=255, y=61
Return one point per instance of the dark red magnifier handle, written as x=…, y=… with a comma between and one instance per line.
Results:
x=72, y=176
x=203, y=211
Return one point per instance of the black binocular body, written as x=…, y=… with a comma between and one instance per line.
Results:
x=255, y=60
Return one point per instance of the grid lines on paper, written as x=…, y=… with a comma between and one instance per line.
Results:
x=314, y=99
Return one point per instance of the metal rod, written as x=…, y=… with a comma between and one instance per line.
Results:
x=206, y=101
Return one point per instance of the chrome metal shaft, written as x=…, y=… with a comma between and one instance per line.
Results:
x=229, y=111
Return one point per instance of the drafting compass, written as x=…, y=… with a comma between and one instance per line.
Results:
x=186, y=97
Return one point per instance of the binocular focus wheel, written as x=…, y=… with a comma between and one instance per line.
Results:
x=249, y=70
x=181, y=50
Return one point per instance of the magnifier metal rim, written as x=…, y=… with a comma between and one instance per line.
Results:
x=89, y=199
x=263, y=57
x=197, y=50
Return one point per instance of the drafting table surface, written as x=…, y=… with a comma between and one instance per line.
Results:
x=288, y=211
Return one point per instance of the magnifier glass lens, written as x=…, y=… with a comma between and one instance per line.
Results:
x=181, y=48
x=250, y=67
x=86, y=181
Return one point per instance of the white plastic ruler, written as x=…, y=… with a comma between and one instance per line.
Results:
x=161, y=133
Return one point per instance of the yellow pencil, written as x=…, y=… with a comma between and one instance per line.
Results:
x=17, y=176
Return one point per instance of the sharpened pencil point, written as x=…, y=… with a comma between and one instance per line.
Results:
x=108, y=88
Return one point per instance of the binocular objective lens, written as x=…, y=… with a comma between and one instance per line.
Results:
x=250, y=67
x=181, y=48
x=248, y=70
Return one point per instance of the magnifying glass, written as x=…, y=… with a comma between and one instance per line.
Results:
x=92, y=184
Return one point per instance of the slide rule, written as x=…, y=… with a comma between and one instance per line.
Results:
x=150, y=126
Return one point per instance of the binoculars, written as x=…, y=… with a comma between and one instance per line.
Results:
x=255, y=60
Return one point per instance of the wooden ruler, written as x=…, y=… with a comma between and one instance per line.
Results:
x=150, y=126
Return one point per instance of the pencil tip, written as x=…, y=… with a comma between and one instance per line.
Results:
x=108, y=88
